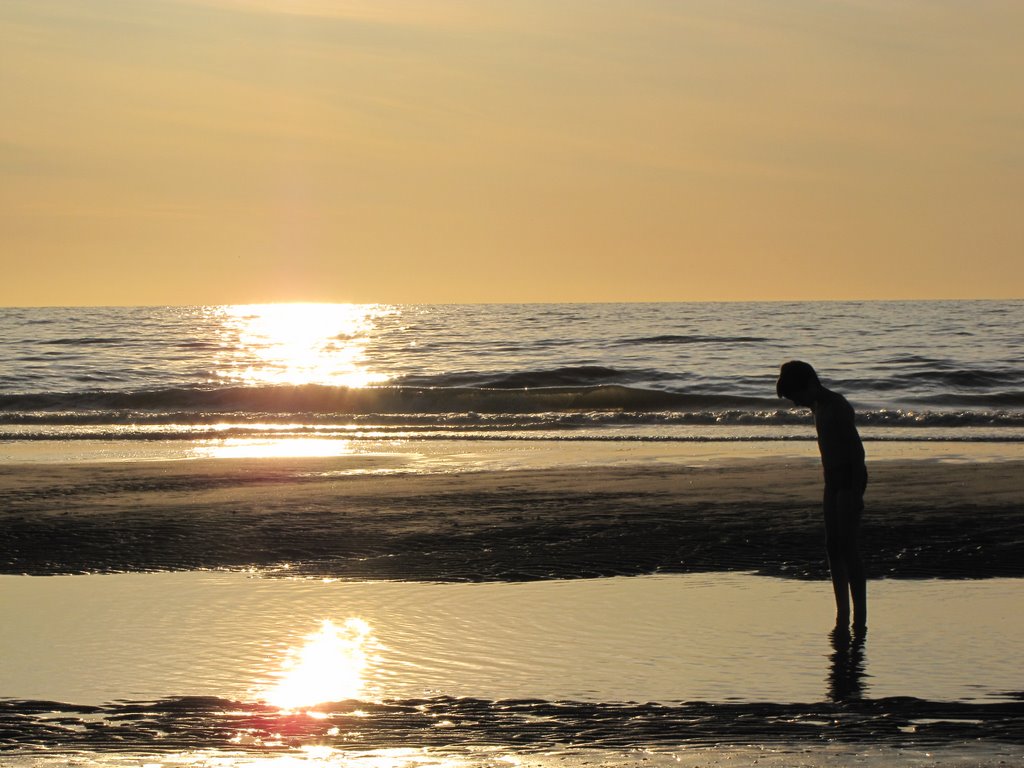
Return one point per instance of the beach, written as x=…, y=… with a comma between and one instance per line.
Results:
x=365, y=519
x=369, y=517
x=405, y=536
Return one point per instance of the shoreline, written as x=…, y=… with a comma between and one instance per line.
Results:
x=364, y=517
x=458, y=454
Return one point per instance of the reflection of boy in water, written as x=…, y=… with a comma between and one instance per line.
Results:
x=846, y=477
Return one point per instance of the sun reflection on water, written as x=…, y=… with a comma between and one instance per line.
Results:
x=299, y=343
x=330, y=666
x=285, y=447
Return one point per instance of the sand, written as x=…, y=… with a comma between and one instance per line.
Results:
x=317, y=517
x=369, y=519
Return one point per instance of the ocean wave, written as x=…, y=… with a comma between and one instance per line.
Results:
x=323, y=409
x=964, y=379
x=83, y=341
x=987, y=399
x=720, y=426
x=694, y=339
x=949, y=356
x=318, y=399
x=544, y=378
x=569, y=391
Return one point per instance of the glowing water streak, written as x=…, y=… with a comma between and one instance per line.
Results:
x=299, y=344
x=330, y=666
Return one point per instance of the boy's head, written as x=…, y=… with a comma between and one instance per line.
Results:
x=798, y=382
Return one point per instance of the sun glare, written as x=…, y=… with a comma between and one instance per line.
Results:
x=299, y=344
x=276, y=448
x=330, y=666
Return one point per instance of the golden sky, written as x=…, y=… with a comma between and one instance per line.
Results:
x=220, y=151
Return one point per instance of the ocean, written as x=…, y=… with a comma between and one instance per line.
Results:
x=395, y=536
x=948, y=371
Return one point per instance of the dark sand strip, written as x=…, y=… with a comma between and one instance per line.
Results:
x=447, y=722
x=923, y=519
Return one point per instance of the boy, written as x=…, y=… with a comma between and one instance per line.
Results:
x=846, y=477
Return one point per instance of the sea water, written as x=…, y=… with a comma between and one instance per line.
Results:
x=684, y=372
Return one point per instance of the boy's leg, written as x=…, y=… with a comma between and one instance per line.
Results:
x=850, y=506
x=836, y=549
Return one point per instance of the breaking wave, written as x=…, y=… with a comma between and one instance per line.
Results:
x=322, y=399
x=568, y=402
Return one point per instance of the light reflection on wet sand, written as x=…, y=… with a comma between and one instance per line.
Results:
x=363, y=452
x=730, y=756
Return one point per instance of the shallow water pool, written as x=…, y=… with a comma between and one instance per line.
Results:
x=704, y=637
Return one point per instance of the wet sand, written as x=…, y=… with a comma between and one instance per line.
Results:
x=328, y=517
x=446, y=722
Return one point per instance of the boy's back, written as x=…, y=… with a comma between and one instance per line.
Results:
x=838, y=440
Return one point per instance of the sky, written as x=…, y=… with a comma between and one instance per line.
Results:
x=233, y=151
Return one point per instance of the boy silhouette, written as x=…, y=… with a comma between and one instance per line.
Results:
x=846, y=477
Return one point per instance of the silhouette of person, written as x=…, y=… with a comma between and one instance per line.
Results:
x=846, y=477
